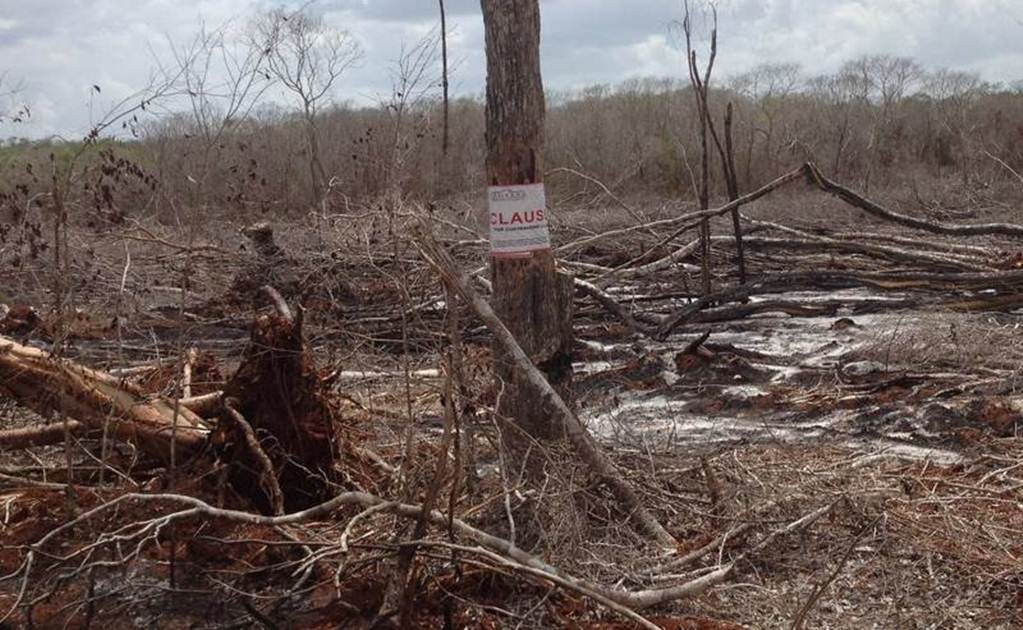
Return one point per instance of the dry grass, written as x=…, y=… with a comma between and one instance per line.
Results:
x=947, y=341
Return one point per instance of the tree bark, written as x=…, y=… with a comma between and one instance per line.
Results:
x=28, y=437
x=529, y=293
x=48, y=384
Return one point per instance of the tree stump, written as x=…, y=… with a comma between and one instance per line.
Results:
x=278, y=391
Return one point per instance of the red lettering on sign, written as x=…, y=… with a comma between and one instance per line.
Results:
x=517, y=218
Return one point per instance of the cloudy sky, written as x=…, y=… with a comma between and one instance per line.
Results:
x=58, y=49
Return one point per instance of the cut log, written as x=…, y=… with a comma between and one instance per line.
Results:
x=51, y=385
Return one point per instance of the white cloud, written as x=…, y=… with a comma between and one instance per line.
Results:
x=60, y=48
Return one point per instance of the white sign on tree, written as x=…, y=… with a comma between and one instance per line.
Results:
x=518, y=220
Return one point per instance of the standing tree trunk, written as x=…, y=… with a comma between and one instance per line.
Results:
x=317, y=173
x=700, y=89
x=444, y=74
x=732, y=182
x=530, y=295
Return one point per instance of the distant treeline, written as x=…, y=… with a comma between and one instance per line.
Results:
x=878, y=121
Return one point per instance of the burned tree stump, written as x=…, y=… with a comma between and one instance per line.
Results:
x=319, y=284
x=278, y=391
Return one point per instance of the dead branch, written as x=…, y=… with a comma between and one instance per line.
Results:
x=28, y=437
x=607, y=191
x=280, y=306
x=1009, y=282
x=186, y=373
x=569, y=424
x=748, y=198
x=205, y=405
x=829, y=245
x=816, y=177
x=940, y=246
x=493, y=547
x=269, y=478
x=609, y=304
x=811, y=173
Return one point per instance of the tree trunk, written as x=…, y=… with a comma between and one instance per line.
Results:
x=530, y=295
x=317, y=173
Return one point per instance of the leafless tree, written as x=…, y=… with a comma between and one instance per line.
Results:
x=412, y=84
x=834, y=98
x=955, y=95
x=221, y=78
x=308, y=57
x=884, y=81
x=700, y=86
x=11, y=108
x=768, y=86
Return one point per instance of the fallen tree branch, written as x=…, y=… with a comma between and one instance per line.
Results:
x=609, y=304
x=816, y=177
x=809, y=241
x=29, y=437
x=812, y=174
x=607, y=191
x=570, y=426
x=787, y=178
x=1010, y=282
x=789, y=307
x=269, y=478
x=572, y=584
x=976, y=251
x=48, y=384
x=205, y=405
x=493, y=547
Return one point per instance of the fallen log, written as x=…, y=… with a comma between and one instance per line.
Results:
x=788, y=307
x=811, y=173
x=976, y=251
x=807, y=241
x=832, y=246
x=1009, y=282
x=52, y=385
